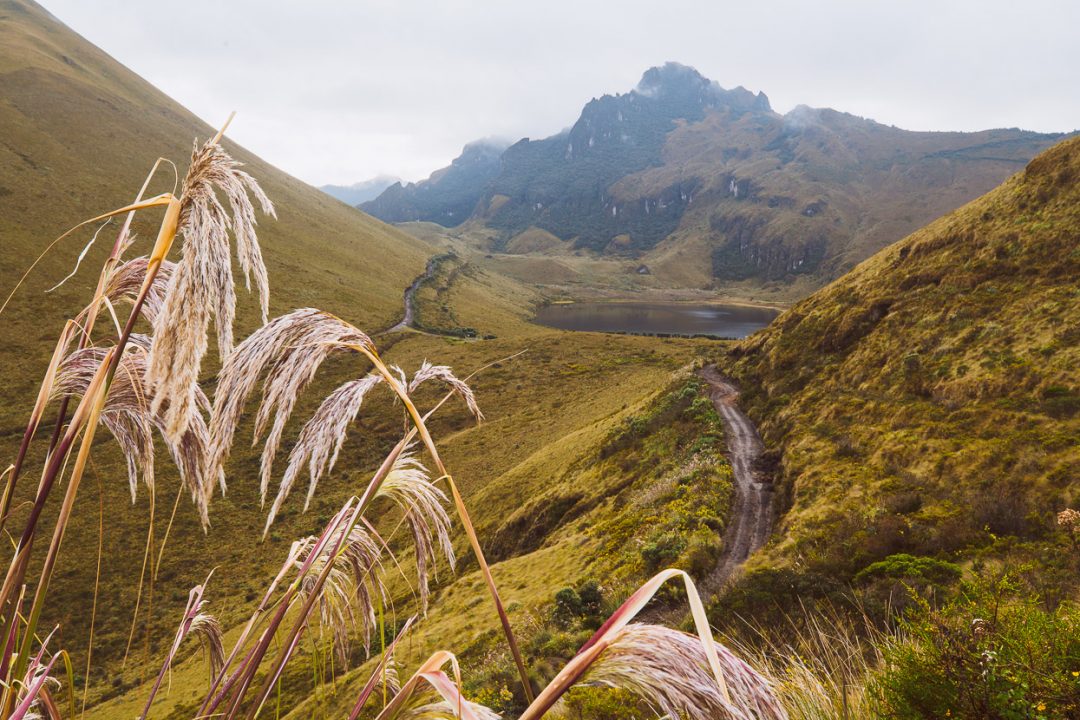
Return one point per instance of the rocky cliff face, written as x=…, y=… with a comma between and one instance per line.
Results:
x=563, y=184
x=449, y=196
x=752, y=194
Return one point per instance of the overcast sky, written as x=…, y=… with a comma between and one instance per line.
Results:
x=336, y=91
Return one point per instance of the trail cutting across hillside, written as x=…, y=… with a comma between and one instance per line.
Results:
x=410, y=312
x=751, y=516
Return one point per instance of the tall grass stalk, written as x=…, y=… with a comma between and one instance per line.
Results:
x=821, y=663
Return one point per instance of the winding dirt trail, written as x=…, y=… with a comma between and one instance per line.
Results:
x=751, y=518
x=407, y=321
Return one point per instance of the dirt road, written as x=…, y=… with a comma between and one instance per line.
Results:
x=751, y=518
x=407, y=322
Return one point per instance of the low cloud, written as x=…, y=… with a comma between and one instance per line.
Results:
x=340, y=92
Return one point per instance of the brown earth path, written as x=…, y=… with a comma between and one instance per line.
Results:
x=751, y=517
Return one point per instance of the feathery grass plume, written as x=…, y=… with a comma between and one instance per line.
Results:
x=128, y=418
x=126, y=280
x=201, y=286
x=207, y=629
x=321, y=439
x=668, y=669
x=289, y=349
x=332, y=541
x=444, y=374
x=408, y=485
x=350, y=587
x=352, y=579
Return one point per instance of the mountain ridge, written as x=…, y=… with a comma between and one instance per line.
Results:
x=362, y=191
x=710, y=187
x=448, y=196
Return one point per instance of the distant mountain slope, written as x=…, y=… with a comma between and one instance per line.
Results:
x=79, y=132
x=710, y=186
x=449, y=196
x=929, y=401
x=360, y=192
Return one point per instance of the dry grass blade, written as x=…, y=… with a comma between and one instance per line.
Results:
x=668, y=669
x=431, y=674
x=289, y=350
x=444, y=374
x=163, y=200
x=620, y=619
x=202, y=285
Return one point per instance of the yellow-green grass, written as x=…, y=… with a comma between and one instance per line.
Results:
x=80, y=132
x=535, y=443
x=536, y=406
x=929, y=401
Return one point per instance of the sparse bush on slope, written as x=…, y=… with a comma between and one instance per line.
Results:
x=994, y=652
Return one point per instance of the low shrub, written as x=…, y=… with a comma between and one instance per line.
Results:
x=993, y=652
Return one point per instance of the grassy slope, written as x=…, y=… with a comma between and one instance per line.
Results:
x=79, y=133
x=867, y=184
x=928, y=402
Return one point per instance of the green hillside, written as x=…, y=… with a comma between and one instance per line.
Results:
x=928, y=402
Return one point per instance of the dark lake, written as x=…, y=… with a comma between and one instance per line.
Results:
x=677, y=318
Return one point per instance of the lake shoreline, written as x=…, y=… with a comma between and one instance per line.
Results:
x=722, y=320
x=737, y=302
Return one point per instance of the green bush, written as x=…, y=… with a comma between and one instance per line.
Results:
x=890, y=585
x=992, y=653
x=662, y=550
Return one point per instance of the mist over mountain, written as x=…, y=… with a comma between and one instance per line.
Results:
x=361, y=191
x=709, y=186
x=448, y=197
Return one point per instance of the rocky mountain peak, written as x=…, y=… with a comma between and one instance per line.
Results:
x=682, y=85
